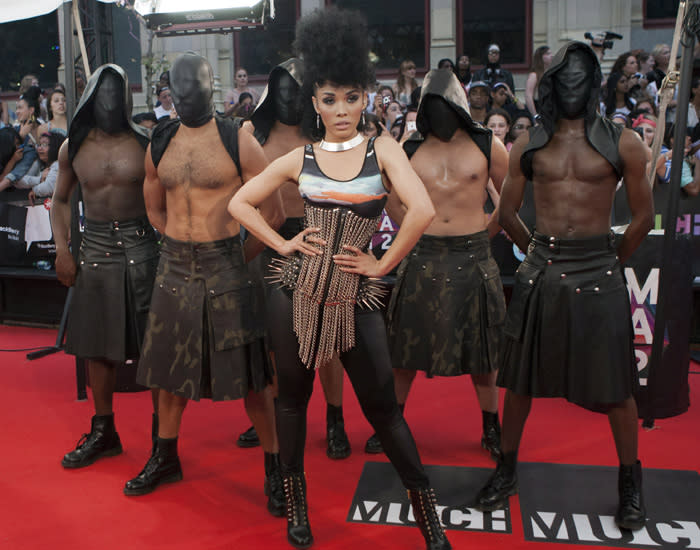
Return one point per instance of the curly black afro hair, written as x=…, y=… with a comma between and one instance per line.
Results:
x=334, y=47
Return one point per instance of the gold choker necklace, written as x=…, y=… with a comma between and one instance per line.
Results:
x=342, y=146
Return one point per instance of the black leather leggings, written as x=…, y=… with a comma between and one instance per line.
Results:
x=368, y=365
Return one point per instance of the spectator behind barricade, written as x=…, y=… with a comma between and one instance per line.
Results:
x=244, y=108
x=10, y=150
x=4, y=114
x=478, y=96
x=373, y=127
x=241, y=86
x=26, y=109
x=662, y=57
x=493, y=72
x=541, y=61
x=646, y=68
x=464, y=70
x=522, y=122
x=628, y=65
x=383, y=97
x=80, y=81
x=392, y=112
x=405, y=83
x=504, y=98
x=646, y=104
x=645, y=124
x=409, y=124
x=663, y=165
x=56, y=111
x=146, y=120
x=166, y=109
x=498, y=121
x=694, y=105
x=446, y=63
x=617, y=99
x=43, y=183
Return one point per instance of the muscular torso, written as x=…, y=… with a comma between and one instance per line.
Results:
x=110, y=170
x=282, y=140
x=574, y=187
x=199, y=178
x=455, y=175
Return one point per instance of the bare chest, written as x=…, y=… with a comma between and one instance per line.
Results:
x=450, y=167
x=205, y=165
x=107, y=164
x=571, y=160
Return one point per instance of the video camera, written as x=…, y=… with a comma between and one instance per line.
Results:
x=602, y=39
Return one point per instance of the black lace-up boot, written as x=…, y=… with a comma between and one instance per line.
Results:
x=298, y=528
x=162, y=467
x=502, y=484
x=491, y=438
x=273, y=485
x=337, y=439
x=424, y=503
x=103, y=440
x=631, y=513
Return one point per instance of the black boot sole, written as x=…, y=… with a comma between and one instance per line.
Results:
x=114, y=451
x=500, y=505
x=247, y=444
x=630, y=526
x=297, y=545
x=177, y=476
x=338, y=455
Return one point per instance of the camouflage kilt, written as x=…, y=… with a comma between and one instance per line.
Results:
x=568, y=332
x=109, y=308
x=204, y=336
x=447, y=308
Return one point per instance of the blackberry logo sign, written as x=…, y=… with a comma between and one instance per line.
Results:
x=380, y=498
x=576, y=505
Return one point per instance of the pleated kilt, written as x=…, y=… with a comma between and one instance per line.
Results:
x=204, y=336
x=109, y=308
x=568, y=330
x=447, y=309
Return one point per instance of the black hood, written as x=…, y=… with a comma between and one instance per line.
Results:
x=263, y=118
x=444, y=84
x=83, y=120
x=602, y=134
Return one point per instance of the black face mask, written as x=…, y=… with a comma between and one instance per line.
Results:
x=442, y=119
x=573, y=84
x=108, y=104
x=287, y=100
x=192, y=90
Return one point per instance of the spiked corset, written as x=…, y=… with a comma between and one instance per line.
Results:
x=324, y=296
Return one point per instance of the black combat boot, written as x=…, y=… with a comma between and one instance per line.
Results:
x=248, y=438
x=373, y=445
x=162, y=467
x=424, y=502
x=103, y=440
x=631, y=513
x=337, y=439
x=491, y=437
x=273, y=485
x=502, y=484
x=298, y=528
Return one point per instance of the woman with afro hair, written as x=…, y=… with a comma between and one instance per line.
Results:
x=328, y=301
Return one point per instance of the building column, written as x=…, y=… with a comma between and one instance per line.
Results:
x=443, y=31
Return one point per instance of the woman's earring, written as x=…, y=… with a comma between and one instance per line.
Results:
x=363, y=119
x=318, y=122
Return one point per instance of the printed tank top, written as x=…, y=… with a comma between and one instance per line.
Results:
x=365, y=194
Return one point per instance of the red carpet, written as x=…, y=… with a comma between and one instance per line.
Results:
x=220, y=503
